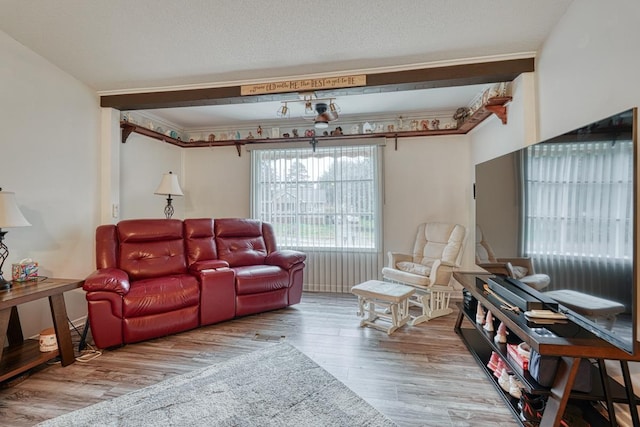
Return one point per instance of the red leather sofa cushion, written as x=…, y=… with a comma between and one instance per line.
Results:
x=240, y=241
x=151, y=248
x=255, y=279
x=199, y=240
x=161, y=295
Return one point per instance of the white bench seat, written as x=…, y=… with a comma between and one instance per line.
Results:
x=392, y=298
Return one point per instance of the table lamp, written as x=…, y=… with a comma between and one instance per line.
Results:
x=169, y=186
x=10, y=216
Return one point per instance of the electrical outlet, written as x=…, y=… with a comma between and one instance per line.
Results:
x=115, y=210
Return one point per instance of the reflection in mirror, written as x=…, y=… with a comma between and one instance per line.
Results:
x=567, y=204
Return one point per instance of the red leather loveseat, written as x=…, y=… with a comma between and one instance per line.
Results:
x=156, y=277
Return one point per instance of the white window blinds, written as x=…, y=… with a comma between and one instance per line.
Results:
x=326, y=203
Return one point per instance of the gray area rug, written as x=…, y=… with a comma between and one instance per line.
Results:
x=275, y=386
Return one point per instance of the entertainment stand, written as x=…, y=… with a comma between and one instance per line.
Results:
x=569, y=341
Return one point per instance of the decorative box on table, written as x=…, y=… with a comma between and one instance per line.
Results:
x=24, y=270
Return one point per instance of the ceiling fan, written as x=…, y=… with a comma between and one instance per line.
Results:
x=325, y=114
x=316, y=109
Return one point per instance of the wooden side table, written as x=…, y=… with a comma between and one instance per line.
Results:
x=21, y=355
x=391, y=297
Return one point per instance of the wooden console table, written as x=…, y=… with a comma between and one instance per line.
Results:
x=21, y=355
x=570, y=341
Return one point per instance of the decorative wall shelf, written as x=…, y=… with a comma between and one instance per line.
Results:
x=495, y=105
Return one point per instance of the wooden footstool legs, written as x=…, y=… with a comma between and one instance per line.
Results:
x=391, y=299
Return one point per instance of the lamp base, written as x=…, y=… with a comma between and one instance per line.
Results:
x=4, y=285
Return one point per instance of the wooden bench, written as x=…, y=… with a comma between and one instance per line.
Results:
x=391, y=298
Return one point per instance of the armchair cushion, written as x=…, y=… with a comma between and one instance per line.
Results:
x=412, y=267
x=438, y=241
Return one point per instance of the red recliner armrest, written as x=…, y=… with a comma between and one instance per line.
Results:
x=210, y=264
x=107, y=280
x=285, y=259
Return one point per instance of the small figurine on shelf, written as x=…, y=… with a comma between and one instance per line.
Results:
x=488, y=322
x=309, y=133
x=461, y=115
x=435, y=124
x=250, y=136
x=285, y=135
x=259, y=131
x=480, y=314
x=212, y=137
x=294, y=132
x=337, y=131
x=501, y=334
x=238, y=135
x=424, y=124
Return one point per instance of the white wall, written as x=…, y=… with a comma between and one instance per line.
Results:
x=217, y=183
x=492, y=139
x=50, y=156
x=143, y=161
x=588, y=66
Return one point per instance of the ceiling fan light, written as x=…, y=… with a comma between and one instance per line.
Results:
x=334, y=108
x=283, y=111
x=321, y=124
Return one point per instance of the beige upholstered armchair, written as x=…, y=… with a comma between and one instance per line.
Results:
x=516, y=268
x=436, y=252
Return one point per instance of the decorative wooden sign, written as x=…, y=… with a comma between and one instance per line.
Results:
x=306, y=85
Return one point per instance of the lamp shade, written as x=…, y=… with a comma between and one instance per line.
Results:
x=169, y=186
x=10, y=215
x=321, y=124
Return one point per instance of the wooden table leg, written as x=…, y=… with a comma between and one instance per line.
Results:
x=631, y=396
x=14, y=333
x=557, y=402
x=604, y=379
x=5, y=314
x=61, y=326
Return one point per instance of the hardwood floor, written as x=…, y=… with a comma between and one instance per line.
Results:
x=418, y=376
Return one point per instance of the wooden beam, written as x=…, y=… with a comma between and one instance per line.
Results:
x=455, y=75
x=168, y=99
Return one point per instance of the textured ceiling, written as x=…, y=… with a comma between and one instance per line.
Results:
x=119, y=46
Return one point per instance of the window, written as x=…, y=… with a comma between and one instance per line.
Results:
x=324, y=199
x=579, y=200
